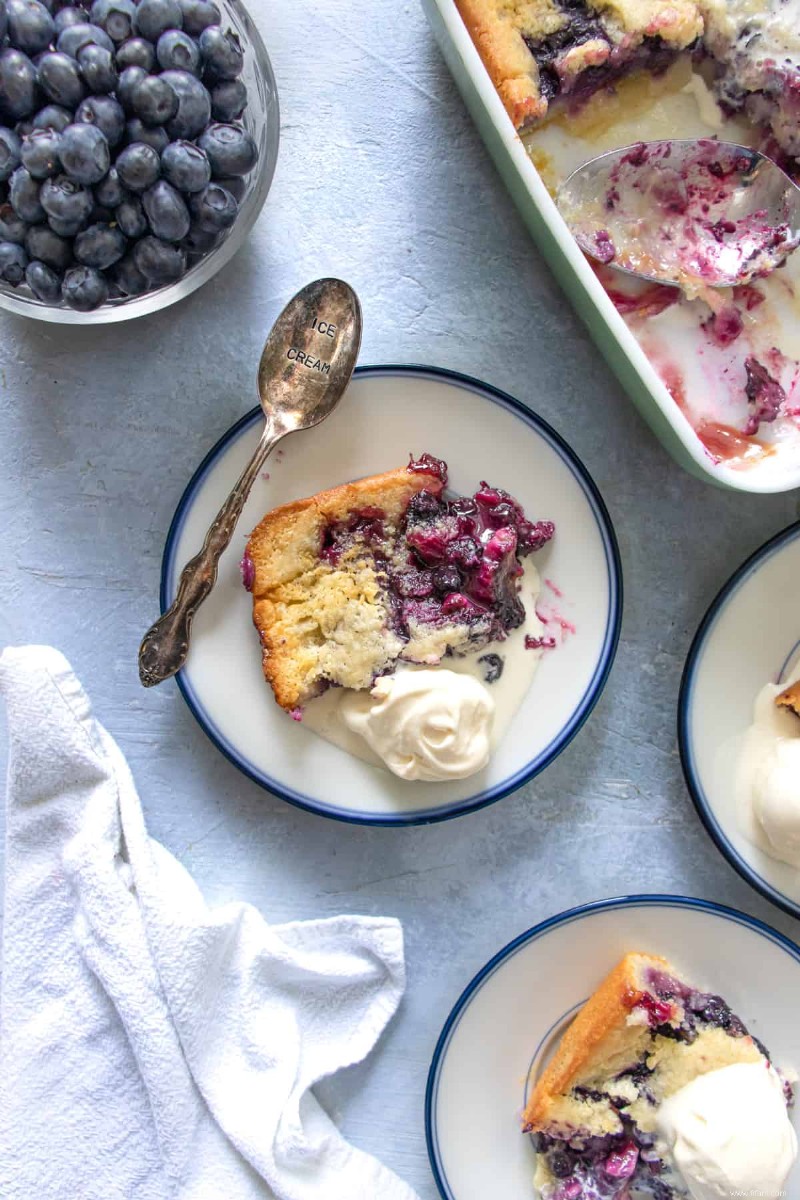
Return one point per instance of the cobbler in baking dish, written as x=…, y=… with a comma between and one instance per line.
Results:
x=539, y=52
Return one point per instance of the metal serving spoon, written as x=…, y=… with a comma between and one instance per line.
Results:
x=688, y=213
x=305, y=367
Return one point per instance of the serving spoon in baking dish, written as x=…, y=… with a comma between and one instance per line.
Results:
x=306, y=364
x=694, y=214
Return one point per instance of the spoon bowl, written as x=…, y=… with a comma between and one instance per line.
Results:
x=309, y=356
x=306, y=364
x=691, y=214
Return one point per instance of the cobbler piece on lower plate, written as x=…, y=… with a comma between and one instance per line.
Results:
x=349, y=582
x=642, y=1036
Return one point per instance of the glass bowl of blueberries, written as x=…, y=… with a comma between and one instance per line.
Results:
x=137, y=146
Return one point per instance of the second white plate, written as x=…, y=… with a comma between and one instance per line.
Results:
x=501, y=1029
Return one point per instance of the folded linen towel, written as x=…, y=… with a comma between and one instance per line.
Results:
x=151, y=1047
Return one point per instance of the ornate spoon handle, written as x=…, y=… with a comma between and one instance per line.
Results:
x=165, y=645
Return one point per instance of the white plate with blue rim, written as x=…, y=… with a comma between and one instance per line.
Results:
x=504, y=1026
x=750, y=636
x=386, y=414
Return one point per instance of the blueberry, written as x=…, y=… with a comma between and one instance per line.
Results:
x=84, y=153
x=69, y=16
x=154, y=101
x=24, y=196
x=186, y=166
x=43, y=282
x=130, y=217
x=198, y=15
x=3, y=21
x=75, y=37
x=136, y=52
x=177, y=52
x=221, y=53
x=109, y=191
x=98, y=69
x=236, y=187
x=100, y=246
x=115, y=17
x=10, y=152
x=84, y=288
x=41, y=243
x=129, y=80
x=153, y=17
x=138, y=166
x=67, y=204
x=213, y=209
x=230, y=149
x=199, y=240
x=150, y=135
x=13, y=261
x=128, y=278
x=100, y=215
x=159, y=261
x=12, y=227
x=166, y=212
x=194, y=105
x=228, y=100
x=104, y=112
x=17, y=84
x=40, y=153
x=52, y=116
x=59, y=77
x=30, y=26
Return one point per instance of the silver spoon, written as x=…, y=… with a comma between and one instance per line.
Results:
x=687, y=213
x=305, y=367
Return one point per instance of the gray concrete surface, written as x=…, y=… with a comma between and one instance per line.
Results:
x=100, y=430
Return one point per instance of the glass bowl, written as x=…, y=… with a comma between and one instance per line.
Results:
x=262, y=120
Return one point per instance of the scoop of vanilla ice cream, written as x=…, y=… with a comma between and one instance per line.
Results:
x=730, y=1134
x=776, y=798
x=427, y=724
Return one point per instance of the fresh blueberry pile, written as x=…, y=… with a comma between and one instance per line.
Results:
x=122, y=154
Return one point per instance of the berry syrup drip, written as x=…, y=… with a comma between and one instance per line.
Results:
x=670, y=215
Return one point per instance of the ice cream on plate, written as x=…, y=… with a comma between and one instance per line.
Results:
x=768, y=774
x=729, y=1133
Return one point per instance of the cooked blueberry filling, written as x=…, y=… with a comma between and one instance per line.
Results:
x=453, y=562
x=493, y=667
x=248, y=572
x=764, y=394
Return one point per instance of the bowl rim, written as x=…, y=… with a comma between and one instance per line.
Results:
x=654, y=392
x=208, y=266
x=691, y=773
x=570, y=915
x=590, y=696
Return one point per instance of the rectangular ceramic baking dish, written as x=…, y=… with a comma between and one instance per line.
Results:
x=608, y=328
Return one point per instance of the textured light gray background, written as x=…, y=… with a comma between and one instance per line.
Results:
x=383, y=180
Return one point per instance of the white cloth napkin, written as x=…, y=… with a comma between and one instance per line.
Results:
x=151, y=1047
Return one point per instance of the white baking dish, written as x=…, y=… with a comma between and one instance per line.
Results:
x=776, y=473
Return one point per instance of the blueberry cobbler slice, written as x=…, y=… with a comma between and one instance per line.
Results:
x=540, y=51
x=351, y=582
x=639, y=1045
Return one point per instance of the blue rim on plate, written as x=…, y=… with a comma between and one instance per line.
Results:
x=590, y=696
x=696, y=790
x=656, y=900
